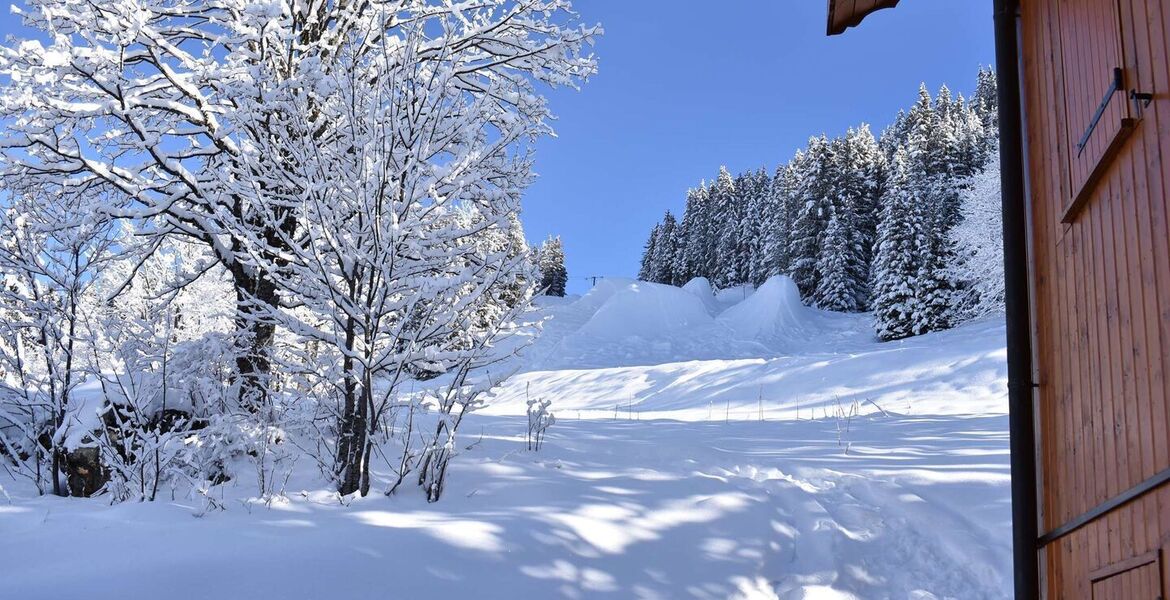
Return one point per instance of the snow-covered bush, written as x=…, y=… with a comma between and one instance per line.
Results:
x=539, y=420
x=54, y=241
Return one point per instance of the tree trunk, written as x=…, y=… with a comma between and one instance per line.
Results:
x=352, y=439
x=254, y=292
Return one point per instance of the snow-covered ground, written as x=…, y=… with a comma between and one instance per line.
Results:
x=707, y=445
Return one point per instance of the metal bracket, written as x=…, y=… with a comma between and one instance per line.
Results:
x=1144, y=97
x=1115, y=85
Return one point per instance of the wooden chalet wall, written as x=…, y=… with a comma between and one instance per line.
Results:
x=1100, y=278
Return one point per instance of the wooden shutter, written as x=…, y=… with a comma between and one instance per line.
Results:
x=1095, y=94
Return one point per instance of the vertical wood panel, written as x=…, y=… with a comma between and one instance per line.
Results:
x=1101, y=286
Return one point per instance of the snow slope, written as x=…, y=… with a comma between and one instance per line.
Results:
x=705, y=448
x=619, y=347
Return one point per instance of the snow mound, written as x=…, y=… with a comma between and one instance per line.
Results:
x=733, y=295
x=602, y=291
x=624, y=322
x=701, y=288
x=647, y=310
x=774, y=313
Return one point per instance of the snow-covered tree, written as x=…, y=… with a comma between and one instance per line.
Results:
x=697, y=246
x=727, y=263
x=777, y=226
x=551, y=262
x=160, y=350
x=978, y=262
x=422, y=147
x=649, y=267
x=842, y=275
x=665, y=249
x=190, y=111
x=814, y=205
x=898, y=255
x=54, y=241
x=985, y=102
x=758, y=205
x=861, y=173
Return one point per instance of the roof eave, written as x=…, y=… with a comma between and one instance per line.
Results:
x=841, y=18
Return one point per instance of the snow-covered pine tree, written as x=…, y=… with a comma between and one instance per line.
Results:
x=933, y=162
x=726, y=211
x=551, y=261
x=858, y=165
x=741, y=227
x=841, y=283
x=812, y=196
x=679, y=267
x=665, y=248
x=755, y=226
x=985, y=103
x=898, y=256
x=778, y=221
x=894, y=135
x=648, y=267
x=699, y=248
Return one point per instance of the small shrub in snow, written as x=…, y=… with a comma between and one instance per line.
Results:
x=539, y=420
x=843, y=416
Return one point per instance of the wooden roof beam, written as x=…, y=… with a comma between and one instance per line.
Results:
x=844, y=14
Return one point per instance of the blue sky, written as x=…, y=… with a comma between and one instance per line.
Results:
x=684, y=88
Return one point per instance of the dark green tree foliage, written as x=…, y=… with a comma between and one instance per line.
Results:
x=760, y=205
x=822, y=216
x=813, y=197
x=666, y=242
x=856, y=196
x=698, y=247
x=777, y=225
x=646, y=271
x=842, y=282
x=551, y=261
x=897, y=260
x=727, y=268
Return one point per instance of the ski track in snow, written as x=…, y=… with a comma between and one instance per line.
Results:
x=700, y=461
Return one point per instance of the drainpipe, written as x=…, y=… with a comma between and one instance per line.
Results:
x=1025, y=531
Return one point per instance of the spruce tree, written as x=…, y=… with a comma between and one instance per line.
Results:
x=857, y=187
x=665, y=247
x=986, y=100
x=897, y=257
x=778, y=227
x=698, y=246
x=553, y=275
x=648, y=268
x=812, y=213
x=725, y=214
x=760, y=207
x=841, y=282
x=934, y=169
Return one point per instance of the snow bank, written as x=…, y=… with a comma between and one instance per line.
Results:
x=602, y=291
x=774, y=313
x=701, y=288
x=734, y=294
x=648, y=310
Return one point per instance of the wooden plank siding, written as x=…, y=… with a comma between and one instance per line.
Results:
x=1100, y=254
